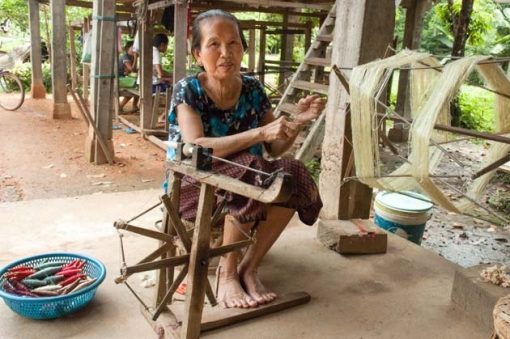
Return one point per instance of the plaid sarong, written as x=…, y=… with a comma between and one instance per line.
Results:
x=304, y=199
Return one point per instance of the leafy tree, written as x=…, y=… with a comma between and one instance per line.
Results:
x=15, y=11
x=445, y=33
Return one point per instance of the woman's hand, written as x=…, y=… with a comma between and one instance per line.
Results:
x=309, y=108
x=280, y=129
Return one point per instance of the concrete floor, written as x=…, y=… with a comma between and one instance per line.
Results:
x=402, y=294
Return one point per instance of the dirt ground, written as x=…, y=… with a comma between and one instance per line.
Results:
x=462, y=239
x=41, y=158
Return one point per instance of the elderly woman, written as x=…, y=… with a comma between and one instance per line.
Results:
x=229, y=112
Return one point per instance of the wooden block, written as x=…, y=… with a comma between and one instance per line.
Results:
x=354, y=236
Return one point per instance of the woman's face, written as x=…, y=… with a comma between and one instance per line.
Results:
x=221, y=49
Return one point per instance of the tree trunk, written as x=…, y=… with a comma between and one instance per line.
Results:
x=460, y=27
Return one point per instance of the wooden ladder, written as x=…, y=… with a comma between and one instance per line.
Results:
x=310, y=78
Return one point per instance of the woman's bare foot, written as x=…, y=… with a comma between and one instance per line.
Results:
x=253, y=286
x=231, y=294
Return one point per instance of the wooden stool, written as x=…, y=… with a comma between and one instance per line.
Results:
x=501, y=316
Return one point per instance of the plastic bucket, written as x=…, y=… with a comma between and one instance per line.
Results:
x=403, y=213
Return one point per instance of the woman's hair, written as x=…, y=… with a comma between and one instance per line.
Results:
x=128, y=45
x=196, y=34
x=159, y=39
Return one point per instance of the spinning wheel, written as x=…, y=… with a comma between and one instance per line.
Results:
x=186, y=319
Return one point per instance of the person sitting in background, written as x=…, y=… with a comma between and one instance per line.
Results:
x=160, y=76
x=126, y=67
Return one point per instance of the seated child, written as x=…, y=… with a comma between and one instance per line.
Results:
x=126, y=67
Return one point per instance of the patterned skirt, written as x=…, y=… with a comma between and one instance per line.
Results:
x=304, y=199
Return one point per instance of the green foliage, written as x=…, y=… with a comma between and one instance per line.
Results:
x=167, y=58
x=24, y=72
x=314, y=168
x=17, y=12
x=486, y=28
x=477, y=108
x=399, y=25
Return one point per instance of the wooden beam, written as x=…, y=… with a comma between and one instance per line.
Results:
x=150, y=266
x=198, y=267
x=180, y=40
x=251, y=50
x=279, y=191
x=283, y=4
x=61, y=108
x=227, y=6
x=360, y=36
x=86, y=69
x=102, y=81
x=215, y=317
x=160, y=4
x=456, y=130
x=262, y=54
x=261, y=23
x=283, y=45
x=72, y=59
x=37, y=87
x=122, y=9
x=146, y=71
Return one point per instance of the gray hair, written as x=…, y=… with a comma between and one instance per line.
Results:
x=196, y=34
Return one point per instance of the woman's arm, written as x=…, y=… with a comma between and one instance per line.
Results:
x=309, y=108
x=290, y=129
x=192, y=131
x=129, y=67
x=161, y=72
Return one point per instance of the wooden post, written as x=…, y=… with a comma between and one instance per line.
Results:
x=180, y=40
x=251, y=50
x=37, y=88
x=61, y=108
x=86, y=66
x=118, y=38
x=102, y=79
x=283, y=46
x=146, y=74
x=360, y=36
x=199, y=259
x=262, y=54
x=72, y=59
x=308, y=35
x=415, y=12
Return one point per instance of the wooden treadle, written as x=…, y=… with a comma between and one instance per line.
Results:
x=168, y=324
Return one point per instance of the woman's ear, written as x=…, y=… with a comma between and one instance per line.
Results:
x=197, y=56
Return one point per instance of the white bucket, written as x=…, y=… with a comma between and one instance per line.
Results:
x=403, y=213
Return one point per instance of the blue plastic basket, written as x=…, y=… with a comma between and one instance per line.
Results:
x=54, y=307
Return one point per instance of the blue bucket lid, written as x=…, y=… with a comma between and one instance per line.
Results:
x=405, y=201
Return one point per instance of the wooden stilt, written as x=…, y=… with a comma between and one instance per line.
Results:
x=37, y=87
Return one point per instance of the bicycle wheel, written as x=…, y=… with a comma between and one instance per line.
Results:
x=12, y=93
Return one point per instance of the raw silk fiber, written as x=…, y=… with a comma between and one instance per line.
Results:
x=365, y=83
x=431, y=94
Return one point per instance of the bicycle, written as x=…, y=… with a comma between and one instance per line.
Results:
x=11, y=85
